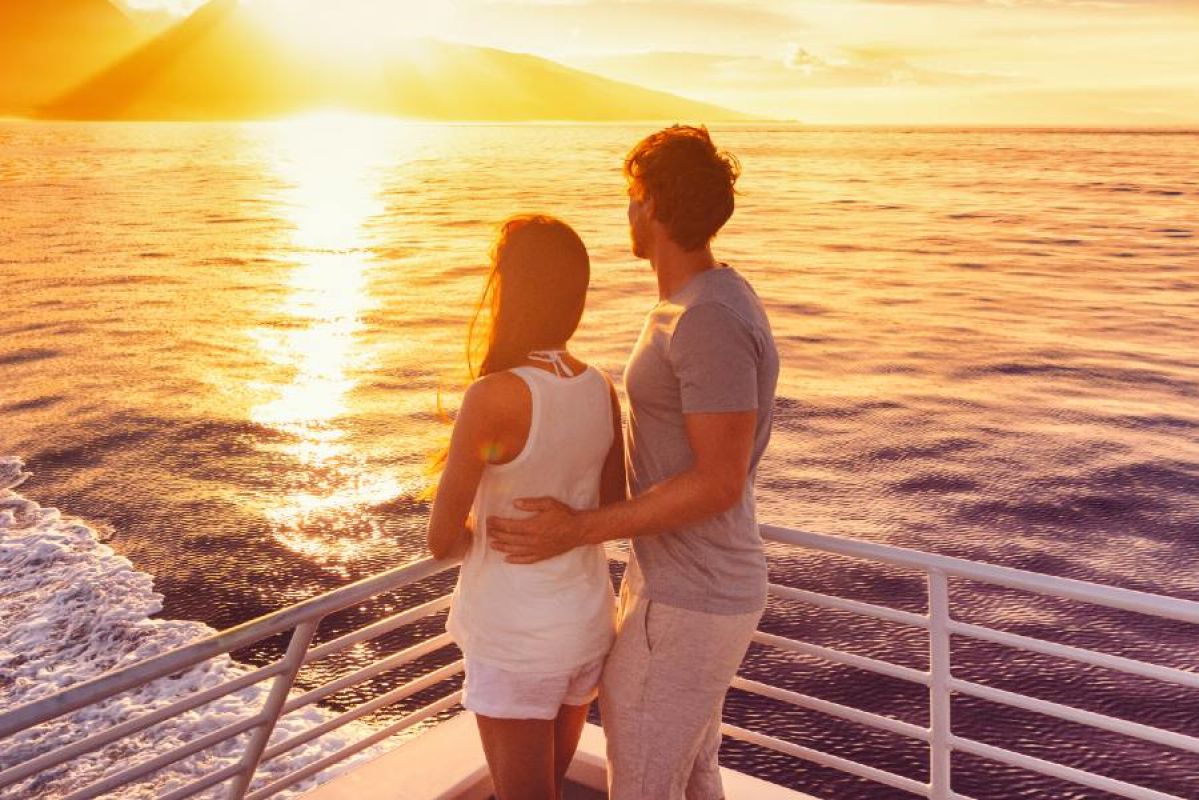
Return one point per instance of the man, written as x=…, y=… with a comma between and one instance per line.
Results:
x=700, y=384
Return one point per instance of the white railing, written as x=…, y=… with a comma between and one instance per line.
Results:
x=940, y=681
x=302, y=620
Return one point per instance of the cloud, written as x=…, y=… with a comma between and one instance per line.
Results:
x=797, y=72
x=802, y=60
x=874, y=66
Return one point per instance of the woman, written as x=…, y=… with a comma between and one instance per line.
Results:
x=536, y=422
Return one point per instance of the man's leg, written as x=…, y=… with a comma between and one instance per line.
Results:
x=661, y=695
x=620, y=695
x=704, y=782
x=695, y=656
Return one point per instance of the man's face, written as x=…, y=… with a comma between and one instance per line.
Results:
x=639, y=223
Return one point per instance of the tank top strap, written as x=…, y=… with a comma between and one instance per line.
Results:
x=533, y=377
x=553, y=397
x=530, y=376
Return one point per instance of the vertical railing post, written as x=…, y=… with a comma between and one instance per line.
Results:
x=301, y=637
x=939, y=694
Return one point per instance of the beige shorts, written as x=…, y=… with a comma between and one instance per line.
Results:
x=662, y=694
x=505, y=694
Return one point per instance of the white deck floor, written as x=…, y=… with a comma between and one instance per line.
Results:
x=446, y=763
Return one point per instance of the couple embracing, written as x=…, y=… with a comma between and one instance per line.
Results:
x=537, y=478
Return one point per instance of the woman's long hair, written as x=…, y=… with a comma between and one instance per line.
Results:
x=533, y=300
x=534, y=295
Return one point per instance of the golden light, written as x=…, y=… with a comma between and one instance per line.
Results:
x=353, y=28
x=331, y=168
x=176, y=8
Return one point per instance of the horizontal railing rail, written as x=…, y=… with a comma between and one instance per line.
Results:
x=1034, y=582
x=301, y=620
x=938, y=623
x=939, y=680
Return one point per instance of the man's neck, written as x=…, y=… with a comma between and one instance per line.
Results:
x=676, y=267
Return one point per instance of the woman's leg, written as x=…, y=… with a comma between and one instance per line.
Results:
x=568, y=727
x=520, y=755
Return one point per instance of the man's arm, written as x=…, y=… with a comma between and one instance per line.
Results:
x=722, y=445
x=714, y=357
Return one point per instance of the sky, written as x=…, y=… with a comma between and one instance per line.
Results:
x=998, y=62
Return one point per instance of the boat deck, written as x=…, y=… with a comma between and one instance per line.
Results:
x=446, y=763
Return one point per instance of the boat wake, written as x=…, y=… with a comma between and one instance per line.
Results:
x=71, y=609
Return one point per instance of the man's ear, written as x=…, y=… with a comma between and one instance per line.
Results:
x=648, y=204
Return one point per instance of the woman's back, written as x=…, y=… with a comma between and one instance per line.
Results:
x=556, y=614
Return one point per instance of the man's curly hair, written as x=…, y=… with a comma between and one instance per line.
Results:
x=689, y=181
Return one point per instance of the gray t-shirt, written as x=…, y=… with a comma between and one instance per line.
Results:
x=708, y=348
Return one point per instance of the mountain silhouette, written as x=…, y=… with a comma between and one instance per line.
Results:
x=223, y=62
x=48, y=46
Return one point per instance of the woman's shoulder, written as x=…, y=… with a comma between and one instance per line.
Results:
x=497, y=389
x=496, y=407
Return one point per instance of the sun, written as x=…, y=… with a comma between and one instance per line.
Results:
x=353, y=27
x=175, y=8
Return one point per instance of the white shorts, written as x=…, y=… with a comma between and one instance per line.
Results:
x=504, y=694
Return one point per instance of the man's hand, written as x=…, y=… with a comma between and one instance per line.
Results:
x=554, y=529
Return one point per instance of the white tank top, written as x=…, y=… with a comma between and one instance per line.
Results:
x=557, y=614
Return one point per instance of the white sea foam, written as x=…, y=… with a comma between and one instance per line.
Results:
x=72, y=609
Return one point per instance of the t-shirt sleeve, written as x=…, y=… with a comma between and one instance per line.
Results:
x=715, y=358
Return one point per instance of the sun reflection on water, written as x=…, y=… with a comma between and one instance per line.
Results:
x=331, y=173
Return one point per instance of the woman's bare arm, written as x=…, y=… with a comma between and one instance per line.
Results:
x=449, y=533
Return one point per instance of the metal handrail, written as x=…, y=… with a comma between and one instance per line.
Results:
x=1037, y=583
x=303, y=618
x=941, y=683
x=220, y=643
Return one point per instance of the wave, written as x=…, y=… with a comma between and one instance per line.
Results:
x=72, y=609
x=28, y=354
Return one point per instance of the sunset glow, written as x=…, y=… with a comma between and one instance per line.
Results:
x=886, y=303
x=329, y=166
x=1030, y=62
x=352, y=28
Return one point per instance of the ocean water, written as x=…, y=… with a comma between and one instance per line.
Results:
x=225, y=347
x=73, y=610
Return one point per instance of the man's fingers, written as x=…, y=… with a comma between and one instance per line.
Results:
x=535, y=503
x=521, y=540
x=517, y=545
x=501, y=540
x=510, y=542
